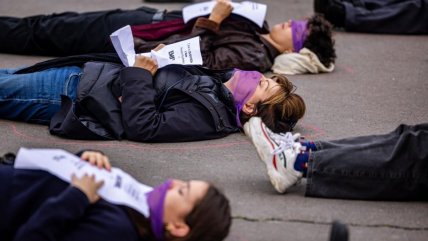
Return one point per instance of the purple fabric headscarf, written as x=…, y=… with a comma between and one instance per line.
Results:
x=243, y=85
x=156, y=199
x=298, y=31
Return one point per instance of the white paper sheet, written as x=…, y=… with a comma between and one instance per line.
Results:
x=119, y=187
x=253, y=11
x=186, y=52
x=123, y=43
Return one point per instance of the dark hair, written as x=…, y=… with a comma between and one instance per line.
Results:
x=209, y=220
x=320, y=39
x=282, y=110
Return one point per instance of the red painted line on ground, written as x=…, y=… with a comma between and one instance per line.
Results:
x=310, y=132
x=348, y=69
x=140, y=146
x=313, y=132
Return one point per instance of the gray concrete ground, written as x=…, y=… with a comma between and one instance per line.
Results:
x=379, y=82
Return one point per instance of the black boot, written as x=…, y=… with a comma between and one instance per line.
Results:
x=339, y=231
x=320, y=6
x=333, y=11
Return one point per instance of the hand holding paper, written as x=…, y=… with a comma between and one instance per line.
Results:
x=185, y=52
x=253, y=11
x=119, y=187
x=221, y=10
x=146, y=63
x=88, y=185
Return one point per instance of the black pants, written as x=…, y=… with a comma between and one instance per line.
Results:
x=71, y=33
x=392, y=166
x=387, y=16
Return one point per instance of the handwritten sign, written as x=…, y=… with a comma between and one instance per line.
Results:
x=119, y=187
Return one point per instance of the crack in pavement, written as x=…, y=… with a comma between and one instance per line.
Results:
x=266, y=220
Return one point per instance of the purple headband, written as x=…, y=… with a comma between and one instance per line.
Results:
x=156, y=199
x=244, y=84
x=298, y=31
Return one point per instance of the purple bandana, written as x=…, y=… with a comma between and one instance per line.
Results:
x=298, y=31
x=156, y=199
x=243, y=85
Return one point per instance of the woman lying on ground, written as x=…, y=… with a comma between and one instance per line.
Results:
x=227, y=41
x=36, y=205
x=392, y=166
x=103, y=100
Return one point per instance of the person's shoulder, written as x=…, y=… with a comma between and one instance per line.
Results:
x=111, y=221
x=243, y=24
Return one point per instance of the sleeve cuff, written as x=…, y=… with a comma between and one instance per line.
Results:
x=207, y=24
x=75, y=195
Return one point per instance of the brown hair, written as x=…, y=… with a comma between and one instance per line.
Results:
x=282, y=110
x=209, y=220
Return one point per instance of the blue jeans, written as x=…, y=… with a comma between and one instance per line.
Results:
x=36, y=97
x=392, y=166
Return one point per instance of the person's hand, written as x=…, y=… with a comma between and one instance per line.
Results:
x=147, y=63
x=88, y=185
x=221, y=10
x=97, y=159
x=159, y=47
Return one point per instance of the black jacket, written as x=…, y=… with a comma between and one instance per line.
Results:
x=35, y=205
x=180, y=103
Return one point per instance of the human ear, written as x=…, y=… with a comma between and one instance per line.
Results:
x=178, y=229
x=249, y=108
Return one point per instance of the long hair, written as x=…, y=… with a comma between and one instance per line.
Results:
x=320, y=39
x=210, y=219
x=282, y=110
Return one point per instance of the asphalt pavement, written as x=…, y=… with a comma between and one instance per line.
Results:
x=380, y=81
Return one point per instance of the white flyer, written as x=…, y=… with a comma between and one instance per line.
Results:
x=253, y=11
x=123, y=43
x=119, y=187
x=186, y=52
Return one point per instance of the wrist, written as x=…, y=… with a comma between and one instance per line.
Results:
x=216, y=18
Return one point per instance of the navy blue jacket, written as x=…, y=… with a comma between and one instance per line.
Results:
x=35, y=205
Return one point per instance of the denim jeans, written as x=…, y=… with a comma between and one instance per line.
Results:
x=392, y=166
x=36, y=97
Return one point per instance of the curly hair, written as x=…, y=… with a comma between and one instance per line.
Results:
x=320, y=39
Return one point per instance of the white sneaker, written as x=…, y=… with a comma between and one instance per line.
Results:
x=277, y=151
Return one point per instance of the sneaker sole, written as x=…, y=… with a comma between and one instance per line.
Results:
x=276, y=179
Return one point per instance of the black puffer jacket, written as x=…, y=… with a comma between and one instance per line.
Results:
x=180, y=103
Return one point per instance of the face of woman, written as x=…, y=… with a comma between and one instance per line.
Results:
x=181, y=198
x=281, y=34
x=266, y=88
